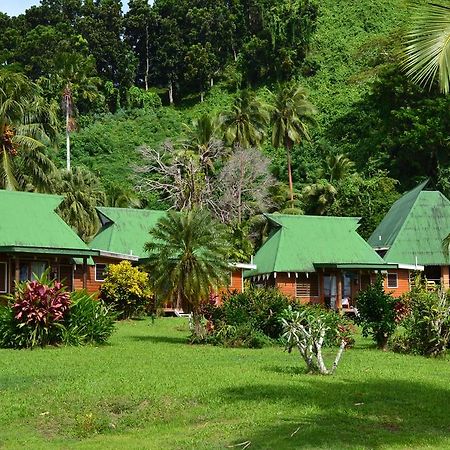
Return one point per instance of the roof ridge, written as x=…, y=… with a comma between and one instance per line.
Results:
x=114, y=208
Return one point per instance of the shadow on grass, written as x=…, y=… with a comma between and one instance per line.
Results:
x=161, y=339
x=330, y=413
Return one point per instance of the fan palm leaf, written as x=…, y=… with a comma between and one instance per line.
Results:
x=427, y=52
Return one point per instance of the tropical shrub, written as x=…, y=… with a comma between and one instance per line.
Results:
x=247, y=316
x=126, y=289
x=90, y=321
x=42, y=313
x=35, y=315
x=309, y=330
x=426, y=323
x=377, y=313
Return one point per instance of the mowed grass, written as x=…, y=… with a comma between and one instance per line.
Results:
x=150, y=390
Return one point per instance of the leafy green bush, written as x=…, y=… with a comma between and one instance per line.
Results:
x=90, y=321
x=243, y=335
x=426, y=325
x=127, y=289
x=247, y=319
x=377, y=313
x=256, y=309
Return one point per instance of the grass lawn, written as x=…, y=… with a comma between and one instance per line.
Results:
x=150, y=390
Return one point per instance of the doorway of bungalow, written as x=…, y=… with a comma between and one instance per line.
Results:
x=330, y=290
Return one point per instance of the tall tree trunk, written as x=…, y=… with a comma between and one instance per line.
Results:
x=202, y=96
x=291, y=184
x=67, y=135
x=179, y=300
x=147, y=61
x=241, y=181
x=171, y=92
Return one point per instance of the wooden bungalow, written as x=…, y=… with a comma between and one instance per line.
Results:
x=411, y=235
x=34, y=238
x=316, y=259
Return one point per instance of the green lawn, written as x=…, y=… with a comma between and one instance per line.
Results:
x=150, y=390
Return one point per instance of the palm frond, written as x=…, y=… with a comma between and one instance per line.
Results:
x=427, y=52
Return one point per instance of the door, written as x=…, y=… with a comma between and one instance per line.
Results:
x=330, y=290
x=66, y=276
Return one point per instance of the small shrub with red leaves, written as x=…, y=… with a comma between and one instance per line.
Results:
x=38, y=310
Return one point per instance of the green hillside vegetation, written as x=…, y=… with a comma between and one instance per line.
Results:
x=146, y=77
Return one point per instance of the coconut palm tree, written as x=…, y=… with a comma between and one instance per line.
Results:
x=27, y=121
x=427, y=52
x=82, y=193
x=291, y=116
x=188, y=258
x=75, y=81
x=245, y=125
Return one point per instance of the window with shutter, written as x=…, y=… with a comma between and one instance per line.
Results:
x=307, y=286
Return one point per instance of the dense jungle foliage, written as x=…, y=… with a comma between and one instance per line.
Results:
x=172, y=78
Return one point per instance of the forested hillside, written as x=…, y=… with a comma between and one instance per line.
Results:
x=161, y=105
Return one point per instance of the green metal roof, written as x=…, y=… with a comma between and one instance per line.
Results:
x=302, y=243
x=125, y=230
x=414, y=228
x=30, y=224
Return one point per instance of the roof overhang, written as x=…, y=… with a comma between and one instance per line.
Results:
x=115, y=255
x=49, y=251
x=374, y=266
x=411, y=267
x=245, y=266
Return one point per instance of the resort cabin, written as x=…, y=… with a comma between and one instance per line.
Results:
x=34, y=238
x=411, y=235
x=316, y=259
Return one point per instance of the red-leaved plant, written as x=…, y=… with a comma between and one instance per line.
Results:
x=39, y=308
x=38, y=304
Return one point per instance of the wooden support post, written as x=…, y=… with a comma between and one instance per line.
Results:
x=339, y=290
x=16, y=272
x=84, y=273
x=445, y=281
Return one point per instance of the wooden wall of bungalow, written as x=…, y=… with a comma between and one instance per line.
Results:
x=21, y=266
x=317, y=287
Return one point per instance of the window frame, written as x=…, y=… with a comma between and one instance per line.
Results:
x=95, y=273
x=4, y=289
x=396, y=280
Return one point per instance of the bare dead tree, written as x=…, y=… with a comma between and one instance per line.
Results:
x=243, y=185
x=179, y=175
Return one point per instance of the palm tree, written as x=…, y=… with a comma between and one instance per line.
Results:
x=26, y=122
x=120, y=197
x=337, y=167
x=428, y=47
x=292, y=114
x=319, y=196
x=75, y=82
x=82, y=193
x=188, y=258
x=245, y=125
